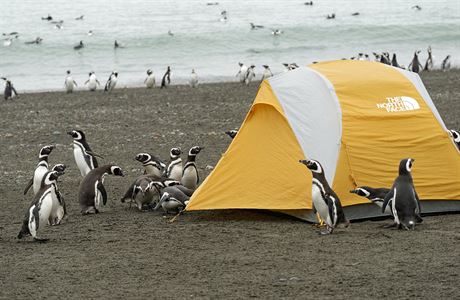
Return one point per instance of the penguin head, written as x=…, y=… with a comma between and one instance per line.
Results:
x=115, y=73
x=231, y=133
x=116, y=170
x=175, y=152
x=195, y=150
x=313, y=165
x=51, y=177
x=149, y=72
x=455, y=135
x=45, y=151
x=77, y=135
x=405, y=166
x=68, y=72
x=165, y=197
x=240, y=64
x=143, y=157
x=59, y=168
x=361, y=191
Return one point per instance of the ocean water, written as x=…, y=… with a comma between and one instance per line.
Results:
x=212, y=47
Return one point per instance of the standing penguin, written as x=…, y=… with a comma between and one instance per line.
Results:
x=10, y=91
x=166, y=80
x=174, y=169
x=111, y=82
x=325, y=201
x=456, y=137
x=60, y=210
x=84, y=157
x=394, y=61
x=242, y=72
x=405, y=204
x=415, y=65
x=375, y=195
x=267, y=72
x=152, y=164
x=40, y=170
x=92, y=190
x=43, y=207
x=445, y=65
x=69, y=83
x=250, y=75
x=92, y=82
x=193, y=79
x=429, y=60
x=150, y=80
x=190, y=176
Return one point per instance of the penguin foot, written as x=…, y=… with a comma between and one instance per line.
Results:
x=324, y=232
x=40, y=240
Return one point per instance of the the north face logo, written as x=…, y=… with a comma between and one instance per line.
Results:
x=395, y=104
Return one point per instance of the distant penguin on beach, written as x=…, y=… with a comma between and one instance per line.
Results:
x=445, y=65
x=267, y=72
x=429, y=61
x=69, y=83
x=79, y=46
x=394, y=61
x=166, y=80
x=117, y=45
x=10, y=91
x=111, y=82
x=330, y=17
x=80, y=17
x=48, y=18
x=250, y=75
x=193, y=79
x=254, y=26
x=242, y=72
x=150, y=80
x=92, y=82
x=276, y=32
x=37, y=41
x=415, y=65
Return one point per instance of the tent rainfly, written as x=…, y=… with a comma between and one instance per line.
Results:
x=358, y=118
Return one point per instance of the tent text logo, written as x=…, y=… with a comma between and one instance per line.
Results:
x=395, y=104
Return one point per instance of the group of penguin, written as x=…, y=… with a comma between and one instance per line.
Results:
x=167, y=186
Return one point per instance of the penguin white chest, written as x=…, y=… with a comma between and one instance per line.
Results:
x=176, y=172
x=79, y=156
x=38, y=176
x=320, y=204
x=92, y=83
x=150, y=81
x=190, y=177
x=69, y=85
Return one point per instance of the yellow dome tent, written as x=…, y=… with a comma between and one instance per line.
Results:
x=358, y=118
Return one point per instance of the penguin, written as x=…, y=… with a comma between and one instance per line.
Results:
x=267, y=72
x=193, y=79
x=308, y=3
x=330, y=17
x=80, y=18
x=366, y=57
x=150, y=80
x=60, y=210
x=69, y=83
x=92, y=82
x=429, y=60
x=415, y=65
x=190, y=176
x=141, y=192
x=355, y=14
x=375, y=195
x=10, y=92
x=37, y=41
x=250, y=75
x=445, y=65
x=405, y=204
x=456, y=137
x=79, y=46
x=84, y=156
x=276, y=32
x=152, y=164
x=92, y=190
x=242, y=72
x=174, y=169
x=360, y=56
x=166, y=80
x=90, y=33
x=111, y=82
x=325, y=201
x=385, y=58
x=231, y=133
x=43, y=207
x=286, y=67
x=48, y=18
x=117, y=45
x=394, y=61
x=254, y=26
x=40, y=170
x=224, y=17
x=171, y=204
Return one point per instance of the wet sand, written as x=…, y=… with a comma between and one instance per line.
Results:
x=123, y=253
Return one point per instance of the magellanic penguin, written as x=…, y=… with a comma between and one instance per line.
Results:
x=79, y=46
x=60, y=209
x=166, y=80
x=415, y=65
x=43, y=208
x=405, y=203
x=190, y=176
x=84, y=156
x=92, y=82
x=242, y=72
x=141, y=192
x=325, y=200
x=40, y=170
x=375, y=195
x=152, y=164
x=69, y=83
x=250, y=75
x=267, y=72
x=394, y=61
x=92, y=191
x=445, y=65
x=172, y=200
x=9, y=92
x=111, y=82
x=193, y=79
x=174, y=169
x=231, y=133
x=429, y=60
x=150, y=80
x=456, y=137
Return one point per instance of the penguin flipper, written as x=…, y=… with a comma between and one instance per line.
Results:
x=101, y=189
x=418, y=212
x=29, y=185
x=387, y=199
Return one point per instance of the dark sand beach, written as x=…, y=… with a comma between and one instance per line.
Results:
x=124, y=253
